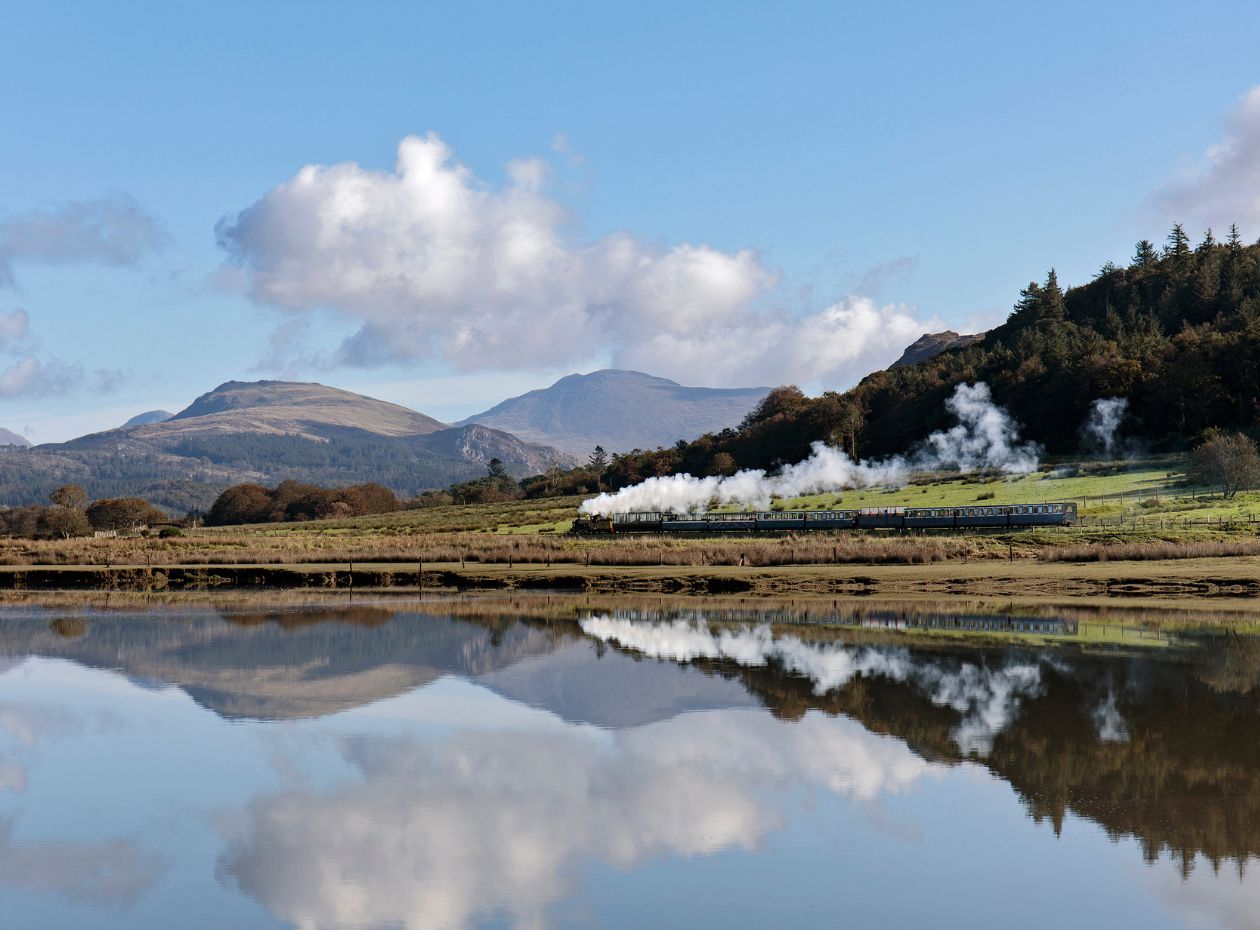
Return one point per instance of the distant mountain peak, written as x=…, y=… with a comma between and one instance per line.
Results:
x=930, y=345
x=619, y=410
x=288, y=405
x=149, y=416
x=10, y=438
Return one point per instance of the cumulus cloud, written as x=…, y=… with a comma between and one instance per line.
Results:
x=485, y=824
x=428, y=260
x=1224, y=187
x=112, y=230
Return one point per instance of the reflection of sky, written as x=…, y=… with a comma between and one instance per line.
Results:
x=451, y=807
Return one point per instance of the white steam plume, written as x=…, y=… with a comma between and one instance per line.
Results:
x=1109, y=722
x=984, y=438
x=1103, y=423
x=986, y=698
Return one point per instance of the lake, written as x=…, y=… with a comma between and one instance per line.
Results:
x=568, y=762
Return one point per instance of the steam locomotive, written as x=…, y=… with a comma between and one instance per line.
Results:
x=779, y=521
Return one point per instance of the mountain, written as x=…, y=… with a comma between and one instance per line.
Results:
x=619, y=410
x=10, y=438
x=269, y=431
x=930, y=345
x=149, y=416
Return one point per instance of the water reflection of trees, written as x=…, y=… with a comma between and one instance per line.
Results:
x=1184, y=780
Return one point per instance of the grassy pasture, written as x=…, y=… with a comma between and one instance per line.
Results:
x=1140, y=512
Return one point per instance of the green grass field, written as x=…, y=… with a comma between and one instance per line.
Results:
x=1151, y=493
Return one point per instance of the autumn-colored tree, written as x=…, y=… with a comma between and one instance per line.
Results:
x=63, y=522
x=1229, y=461
x=244, y=503
x=70, y=496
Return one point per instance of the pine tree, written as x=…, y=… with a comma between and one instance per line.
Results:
x=1028, y=307
x=1177, y=251
x=1146, y=255
x=1232, y=271
x=598, y=459
x=1052, y=307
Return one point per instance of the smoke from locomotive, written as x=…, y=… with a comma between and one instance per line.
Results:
x=985, y=437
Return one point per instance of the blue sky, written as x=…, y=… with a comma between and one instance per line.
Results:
x=719, y=193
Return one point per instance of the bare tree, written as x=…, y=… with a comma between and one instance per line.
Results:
x=1229, y=461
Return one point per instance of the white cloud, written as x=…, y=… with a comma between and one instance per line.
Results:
x=428, y=260
x=1224, y=187
x=112, y=230
x=498, y=823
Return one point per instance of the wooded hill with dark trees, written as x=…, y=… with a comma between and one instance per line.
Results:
x=1176, y=332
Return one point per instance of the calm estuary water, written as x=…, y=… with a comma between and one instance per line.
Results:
x=564, y=763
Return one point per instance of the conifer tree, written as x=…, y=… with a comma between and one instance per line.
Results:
x=1052, y=307
x=1146, y=256
x=1177, y=251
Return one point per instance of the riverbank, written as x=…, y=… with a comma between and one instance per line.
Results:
x=1188, y=578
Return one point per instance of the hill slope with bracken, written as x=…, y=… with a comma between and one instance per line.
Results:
x=619, y=410
x=268, y=431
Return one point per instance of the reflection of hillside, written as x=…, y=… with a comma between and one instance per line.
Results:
x=283, y=664
x=1161, y=747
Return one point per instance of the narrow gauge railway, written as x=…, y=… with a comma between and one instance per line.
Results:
x=782, y=521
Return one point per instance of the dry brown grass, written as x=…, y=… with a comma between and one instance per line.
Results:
x=1151, y=551
x=220, y=548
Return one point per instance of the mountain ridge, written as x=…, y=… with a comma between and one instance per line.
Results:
x=267, y=432
x=619, y=410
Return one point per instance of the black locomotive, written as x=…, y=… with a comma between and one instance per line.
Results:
x=780, y=521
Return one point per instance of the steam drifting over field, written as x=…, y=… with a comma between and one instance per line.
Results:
x=1103, y=424
x=984, y=438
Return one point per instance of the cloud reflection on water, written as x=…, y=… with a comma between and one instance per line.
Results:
x=439, y=834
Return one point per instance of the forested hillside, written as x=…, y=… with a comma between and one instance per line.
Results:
x=1175, y=332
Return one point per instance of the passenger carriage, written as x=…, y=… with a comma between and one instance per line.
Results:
x=792, y=521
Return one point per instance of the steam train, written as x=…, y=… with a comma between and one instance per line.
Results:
x=780, y=521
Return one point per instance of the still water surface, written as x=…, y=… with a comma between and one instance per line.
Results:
x=551, y=764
